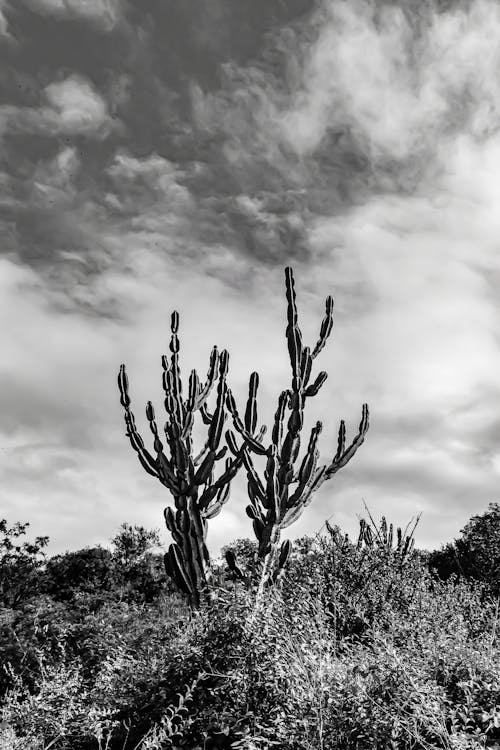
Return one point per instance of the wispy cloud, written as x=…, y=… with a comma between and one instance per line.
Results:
x=152, y=163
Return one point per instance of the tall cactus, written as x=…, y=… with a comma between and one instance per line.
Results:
x=287, y=487
x=198, y=495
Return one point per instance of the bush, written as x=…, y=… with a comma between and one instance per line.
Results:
x=476, y=554
x=356, y=648
x=20, y=562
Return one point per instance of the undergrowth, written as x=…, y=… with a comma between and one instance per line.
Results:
x=354, y=649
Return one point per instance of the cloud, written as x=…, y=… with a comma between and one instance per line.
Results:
x=179, y=169
x=103, y=13
x=4, y=26
x=395, y=83
x=73, y=108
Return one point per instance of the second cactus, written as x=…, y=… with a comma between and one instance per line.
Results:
x=279, y=497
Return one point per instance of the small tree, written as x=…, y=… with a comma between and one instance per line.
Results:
x=137, y=567
x=133, y=542
x=87, y=571
x=20, y=562
x=476, y=553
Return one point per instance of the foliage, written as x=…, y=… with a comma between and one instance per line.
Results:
x=19, y=562
x=476, y=553
x=138, y=571
x=357, y=648
x=87, y=570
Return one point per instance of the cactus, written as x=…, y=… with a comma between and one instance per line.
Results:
x=340, y=541
x=198, y=495
x=287, y=487
x=381, y=537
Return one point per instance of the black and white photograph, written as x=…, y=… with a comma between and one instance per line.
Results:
x=249, y=374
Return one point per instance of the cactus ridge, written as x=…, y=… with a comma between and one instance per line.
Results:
x=197, y=492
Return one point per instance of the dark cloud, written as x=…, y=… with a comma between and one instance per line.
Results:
x=195, y=84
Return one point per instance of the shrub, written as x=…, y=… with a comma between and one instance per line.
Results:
x=20, y=562
x=476, y=554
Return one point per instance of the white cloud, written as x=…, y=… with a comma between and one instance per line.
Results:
x=73, y=108
x=4, y=26
x=103, y=13
x=396, y=84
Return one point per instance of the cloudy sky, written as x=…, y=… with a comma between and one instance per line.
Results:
x=178, y=154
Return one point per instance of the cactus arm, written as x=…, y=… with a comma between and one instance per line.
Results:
x=343, y=456
x=258, y=488
x=296, y=506
x=272, y=494
x=231, y=442
x=252, y=442
x=326, y=327
x=232, y=466
x=205, y=469
x=193, y=390
x=175, y=380
x=146, y=459
x=215, y=508
x=205, y=414
x=293, y=333
x=251, y=409
x=136, y=441
x=217, y=420
x=277, y=434
x=307, y=468
x=313, y=389
x=390, y=535
x=204, y=390
x=166, y=473
x=187, y=425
